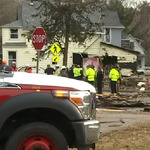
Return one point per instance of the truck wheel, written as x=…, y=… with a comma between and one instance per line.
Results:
x=36, y=136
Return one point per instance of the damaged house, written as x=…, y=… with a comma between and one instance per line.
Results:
x=106, y=40
x=107, y=46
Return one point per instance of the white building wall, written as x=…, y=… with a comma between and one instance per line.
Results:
x=123, y=56
x=6, y=36
x=101, y=50
x=75, y=48
x=25, y=54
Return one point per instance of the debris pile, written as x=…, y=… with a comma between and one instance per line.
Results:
x=137, y=82
x=122, y=100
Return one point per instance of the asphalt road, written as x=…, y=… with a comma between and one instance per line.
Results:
x=111, y=121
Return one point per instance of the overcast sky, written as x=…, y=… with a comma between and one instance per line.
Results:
x=137, y=0
x=143, y=0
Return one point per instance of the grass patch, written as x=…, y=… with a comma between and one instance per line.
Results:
x=136, y=137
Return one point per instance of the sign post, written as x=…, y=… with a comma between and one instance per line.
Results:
x=38, y=41
x=37, y=62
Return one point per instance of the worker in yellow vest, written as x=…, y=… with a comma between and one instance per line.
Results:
x=90, y=75
x=77, y=71
x=113, y=76
x=57, y=70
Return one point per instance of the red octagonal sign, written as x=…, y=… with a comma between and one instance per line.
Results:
x=38, y=38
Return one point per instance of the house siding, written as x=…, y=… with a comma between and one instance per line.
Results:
x=25, y=54
x=116, y=36
x=122, y=55
x=6, y=35
x=93, y=46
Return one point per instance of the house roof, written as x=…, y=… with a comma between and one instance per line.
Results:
x=136, y=41
x=28, y=11
x=110, y=19
x=15, y=44
x=17, y=23
x=130, y=51
x=28, y=21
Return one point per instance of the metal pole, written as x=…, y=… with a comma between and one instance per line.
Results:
x=38, y=56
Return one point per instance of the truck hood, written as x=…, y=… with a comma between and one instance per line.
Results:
x=48, y=80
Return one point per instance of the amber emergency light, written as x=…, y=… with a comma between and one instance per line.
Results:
x=66, y=94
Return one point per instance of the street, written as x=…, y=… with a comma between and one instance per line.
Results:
x=111, y=120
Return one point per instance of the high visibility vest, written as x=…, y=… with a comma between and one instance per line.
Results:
x=76, y=72
x=90, y=74
x=114, y=75
x=57, y=72
x=28, y=70
x=14, y=69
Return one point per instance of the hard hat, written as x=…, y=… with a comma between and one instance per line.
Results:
x=4, y=62
x=63, y=67
x=57, y=66
x=13, y=62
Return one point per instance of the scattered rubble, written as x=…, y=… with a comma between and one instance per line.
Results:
x=146, y=109
x=121, y=100
x=135, y=82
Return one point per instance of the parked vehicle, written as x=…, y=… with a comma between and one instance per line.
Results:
x=22, y=68
x=144, y=71
x=47, y=112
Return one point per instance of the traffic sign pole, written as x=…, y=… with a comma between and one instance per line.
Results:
x=37, y=63
x=38, y=41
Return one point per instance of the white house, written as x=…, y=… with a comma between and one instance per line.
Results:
x=18, y=48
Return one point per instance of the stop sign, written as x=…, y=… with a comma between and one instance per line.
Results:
x=38, y=38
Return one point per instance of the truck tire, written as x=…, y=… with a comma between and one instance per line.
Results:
x=37, y=135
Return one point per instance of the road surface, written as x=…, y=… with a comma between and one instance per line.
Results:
x=110, y=120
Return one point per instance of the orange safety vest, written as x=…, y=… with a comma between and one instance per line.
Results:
x=28, y=70
x=14, y=69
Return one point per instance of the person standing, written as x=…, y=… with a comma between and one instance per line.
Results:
x=70, y=72
x=13, y=66
x=113, y=76
x=77, y=72
x=90, y=75
x=49, y=70
x=57, y=70
x=63, y=72
x=4, y=67
x=28, y=69
x=99, y=79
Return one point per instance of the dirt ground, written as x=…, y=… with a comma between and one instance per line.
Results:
x=133, y=134
x=135, y=137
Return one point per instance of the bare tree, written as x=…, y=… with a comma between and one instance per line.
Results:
x=68, y=21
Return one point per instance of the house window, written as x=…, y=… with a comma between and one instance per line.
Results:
x=12, y=56
x=108, y=35
x=14, y=33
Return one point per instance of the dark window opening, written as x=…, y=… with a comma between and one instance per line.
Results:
x=11, y=57
x=14, y=33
